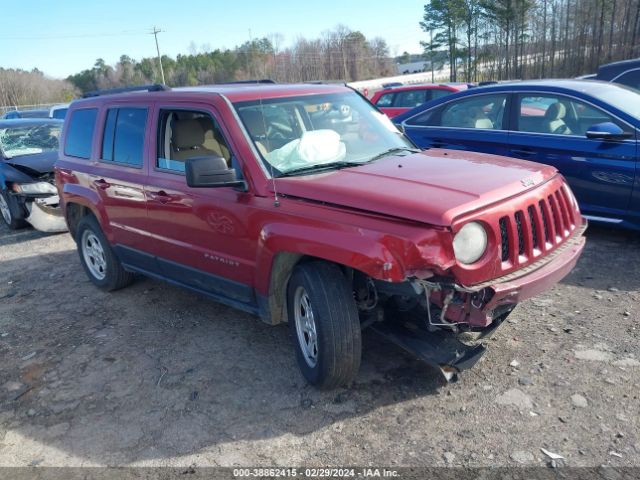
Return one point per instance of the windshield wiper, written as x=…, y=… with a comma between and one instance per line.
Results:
x=391, y=151
x=318, y=168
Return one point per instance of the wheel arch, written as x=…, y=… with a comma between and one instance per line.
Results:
x=281, y=252
x=78, y=202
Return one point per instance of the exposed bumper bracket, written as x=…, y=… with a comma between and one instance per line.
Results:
x=439, y=349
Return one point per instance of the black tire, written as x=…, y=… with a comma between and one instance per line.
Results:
x=337, y=326
x=12, y=222
x=114, y=276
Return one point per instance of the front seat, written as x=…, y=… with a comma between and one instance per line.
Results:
x=554, y=119
x=187, y=140
x=213, y=140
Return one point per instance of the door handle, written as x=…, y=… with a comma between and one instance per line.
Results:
x=102, y=184
x=161, y=196
x=523, y=152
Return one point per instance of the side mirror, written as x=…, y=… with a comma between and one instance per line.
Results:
x=606, y=131
x=211, y=172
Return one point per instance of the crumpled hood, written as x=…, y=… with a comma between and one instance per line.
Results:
x=36, y=164
x=434, y=186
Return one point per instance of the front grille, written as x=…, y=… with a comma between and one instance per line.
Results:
x=539, y=228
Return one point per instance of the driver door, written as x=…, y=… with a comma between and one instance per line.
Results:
x=199, y=235
x=551, y=129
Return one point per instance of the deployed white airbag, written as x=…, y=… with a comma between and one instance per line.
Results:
x=315, y=147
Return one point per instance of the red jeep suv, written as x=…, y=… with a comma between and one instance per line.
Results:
x=304, y=204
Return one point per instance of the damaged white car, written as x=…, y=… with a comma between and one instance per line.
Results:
x=28, y=150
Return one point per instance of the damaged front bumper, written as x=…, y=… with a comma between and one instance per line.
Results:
x=451, y=309
x=478, y=306
x=42, y=212
x=439, y=349
x=45, y=214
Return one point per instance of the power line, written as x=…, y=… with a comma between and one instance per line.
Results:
x=80, y=35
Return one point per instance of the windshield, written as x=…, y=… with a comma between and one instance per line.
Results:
x=28, y=140
x=623, y=98
x=59, y=113
x=300, y=133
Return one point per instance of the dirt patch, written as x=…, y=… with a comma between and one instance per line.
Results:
x=155, y=375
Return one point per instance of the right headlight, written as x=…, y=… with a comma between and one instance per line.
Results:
x=470, y=243
x=35, y=188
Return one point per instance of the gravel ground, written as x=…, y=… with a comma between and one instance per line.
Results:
x=155, y=375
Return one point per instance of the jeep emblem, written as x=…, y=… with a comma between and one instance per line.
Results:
x=527, y=182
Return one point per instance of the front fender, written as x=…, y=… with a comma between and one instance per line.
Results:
x=380, y=256
x=345, y=248
x=8, y=174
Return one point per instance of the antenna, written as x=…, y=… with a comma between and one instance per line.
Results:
x=276, y=200
x=155, y=33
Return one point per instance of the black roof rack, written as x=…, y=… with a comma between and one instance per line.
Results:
x=156, y=87
x=261, y=80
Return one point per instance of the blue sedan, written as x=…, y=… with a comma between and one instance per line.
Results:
x=588, y=130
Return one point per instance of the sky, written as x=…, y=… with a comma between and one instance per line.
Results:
x=66, y=36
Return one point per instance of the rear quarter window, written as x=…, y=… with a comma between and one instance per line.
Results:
x=80, y=129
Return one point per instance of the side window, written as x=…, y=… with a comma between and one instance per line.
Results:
x=630, y=79
x=439, y=93
x=80, y=130
x=385, y=100
x=123, y=138
x=183, y=134
x=559, y=115
x=410, y=98
x=481, y=112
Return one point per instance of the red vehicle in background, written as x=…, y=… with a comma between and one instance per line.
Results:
x=396, y=100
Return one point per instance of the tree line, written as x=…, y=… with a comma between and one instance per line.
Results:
x=20, y=87
x=339, y=54
x=521, y=39
x=473, y=39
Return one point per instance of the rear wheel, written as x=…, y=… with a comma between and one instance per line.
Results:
x=98, y=260
x=324, y=324
x=9, y=219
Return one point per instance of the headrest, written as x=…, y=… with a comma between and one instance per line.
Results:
x=187, y=134
x=556, y=111
x=206, y=123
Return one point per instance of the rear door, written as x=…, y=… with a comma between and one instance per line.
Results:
x=476, y=123
x=405, y=100
x=200, y=234
x=119, y=175
x=551, y=128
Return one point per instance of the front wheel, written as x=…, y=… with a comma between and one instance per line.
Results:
x=324, y=324
x=9, y=219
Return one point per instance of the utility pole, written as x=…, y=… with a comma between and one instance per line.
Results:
x=155, y=33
